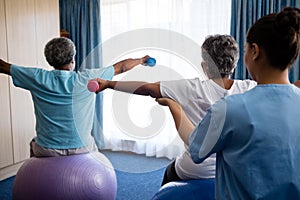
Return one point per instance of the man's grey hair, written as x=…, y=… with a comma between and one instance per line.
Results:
x=59, y=52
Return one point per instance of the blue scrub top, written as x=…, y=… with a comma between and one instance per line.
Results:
x=256, y=136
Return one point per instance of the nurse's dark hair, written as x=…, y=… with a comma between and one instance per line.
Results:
x=221, y=53
x=59, y=52
x=277, y=35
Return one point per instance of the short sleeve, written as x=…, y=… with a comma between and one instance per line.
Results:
x=23, y=77
x=106, y=73
x=178, y=90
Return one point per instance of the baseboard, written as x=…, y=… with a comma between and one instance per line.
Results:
x=9, y=171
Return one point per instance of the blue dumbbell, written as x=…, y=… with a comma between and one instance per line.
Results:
x=151, y=62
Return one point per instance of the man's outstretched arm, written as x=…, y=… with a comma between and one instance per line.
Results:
x=128, y=64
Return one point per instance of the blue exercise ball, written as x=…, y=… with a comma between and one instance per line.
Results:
x=81, y=176
x=196, y=189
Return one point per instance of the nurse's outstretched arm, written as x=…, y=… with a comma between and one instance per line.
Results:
x=183, y=124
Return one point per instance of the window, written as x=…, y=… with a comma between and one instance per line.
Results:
x=171, y=31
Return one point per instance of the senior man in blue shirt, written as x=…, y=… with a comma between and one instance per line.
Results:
x=64, y=108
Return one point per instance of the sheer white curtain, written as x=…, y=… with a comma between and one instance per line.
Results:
x=172, y=32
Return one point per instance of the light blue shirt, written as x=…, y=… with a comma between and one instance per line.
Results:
x=63, y=106
x=256, y=136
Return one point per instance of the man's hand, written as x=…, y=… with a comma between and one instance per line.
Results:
x=4, y=67
x=144, y=59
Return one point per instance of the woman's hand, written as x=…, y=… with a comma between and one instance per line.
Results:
x=103, y=84
x=183, y=125
x=166, y=101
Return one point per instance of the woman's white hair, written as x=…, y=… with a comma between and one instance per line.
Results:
x=221, y=53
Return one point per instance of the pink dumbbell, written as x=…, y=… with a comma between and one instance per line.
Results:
x=93, y=86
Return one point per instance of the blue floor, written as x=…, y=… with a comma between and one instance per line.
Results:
x=6, y=189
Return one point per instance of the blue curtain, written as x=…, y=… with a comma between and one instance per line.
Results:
x=81, y=18
x=243, y=14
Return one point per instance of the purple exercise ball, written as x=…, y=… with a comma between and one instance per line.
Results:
x=81, y=176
